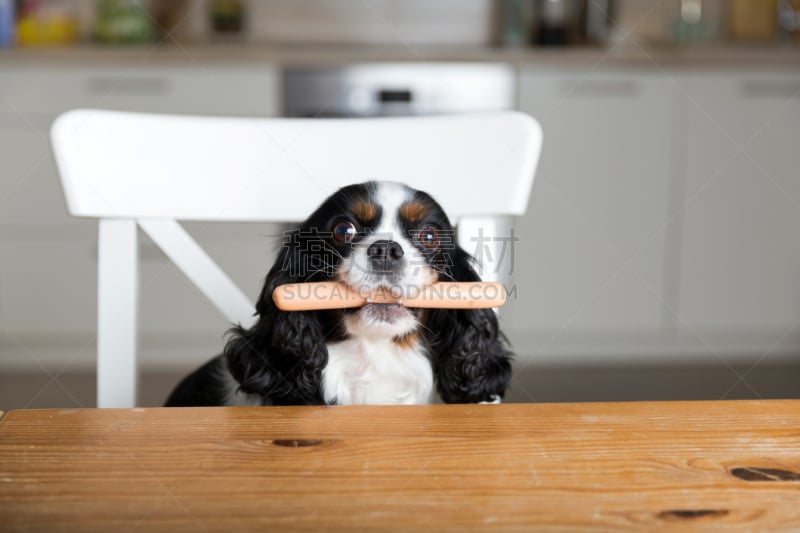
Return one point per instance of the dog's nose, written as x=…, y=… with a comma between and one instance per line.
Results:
x=385, y=254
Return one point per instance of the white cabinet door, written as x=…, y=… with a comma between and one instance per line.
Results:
x=48, y=271
x=740, y=261
x=48, y=259
x=591, y=250
x=213, y=90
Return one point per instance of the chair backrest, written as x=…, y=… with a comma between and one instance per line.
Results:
x=130, y=169
x=135, y=165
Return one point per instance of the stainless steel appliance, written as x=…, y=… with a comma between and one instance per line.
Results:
x=389, y=89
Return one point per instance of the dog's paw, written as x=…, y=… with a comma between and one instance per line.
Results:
x=495, y=400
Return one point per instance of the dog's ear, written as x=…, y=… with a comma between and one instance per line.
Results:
x=470, y=356
x=281, y=358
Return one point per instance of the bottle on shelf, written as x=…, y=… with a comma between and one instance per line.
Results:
x=552, y=19
x=7, y=22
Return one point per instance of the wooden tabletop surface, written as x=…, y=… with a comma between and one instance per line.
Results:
x=599, y=466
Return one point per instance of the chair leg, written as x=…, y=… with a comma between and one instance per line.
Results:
x=491, y=241
x=117, y=303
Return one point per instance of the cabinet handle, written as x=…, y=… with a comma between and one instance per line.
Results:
x=770, y=89
x=115, y=85
x=600, y=88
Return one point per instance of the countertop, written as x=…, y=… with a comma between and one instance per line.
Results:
x=722, y=56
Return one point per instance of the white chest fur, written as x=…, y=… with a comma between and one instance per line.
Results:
x=364, y=371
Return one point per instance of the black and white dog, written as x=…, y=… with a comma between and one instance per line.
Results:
x=371, y=235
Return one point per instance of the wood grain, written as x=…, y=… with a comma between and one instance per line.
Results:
x=638, y=466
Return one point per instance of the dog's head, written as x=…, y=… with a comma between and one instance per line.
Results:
x=377, y=236
x=374, y=235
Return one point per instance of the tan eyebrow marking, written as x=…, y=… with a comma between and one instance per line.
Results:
x=365, y=210
x=413, y=211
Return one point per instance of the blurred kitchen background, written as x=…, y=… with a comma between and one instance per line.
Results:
x=660, y=256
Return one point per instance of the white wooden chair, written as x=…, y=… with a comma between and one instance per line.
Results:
x=145, y=170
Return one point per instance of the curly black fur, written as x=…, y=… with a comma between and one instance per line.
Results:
x=281, y=358
x=471, y=360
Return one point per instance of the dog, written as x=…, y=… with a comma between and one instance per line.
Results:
x=374, y=235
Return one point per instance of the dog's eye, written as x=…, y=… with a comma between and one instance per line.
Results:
x=344, y=231
x=429, y=237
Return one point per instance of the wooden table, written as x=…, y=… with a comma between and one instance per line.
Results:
x=733, y=465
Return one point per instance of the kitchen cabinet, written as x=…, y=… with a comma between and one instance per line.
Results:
x=689, y=175
x=219, y=90
x=662, y=220
x=739, y=268
x=591, y=253
x=48, y=270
